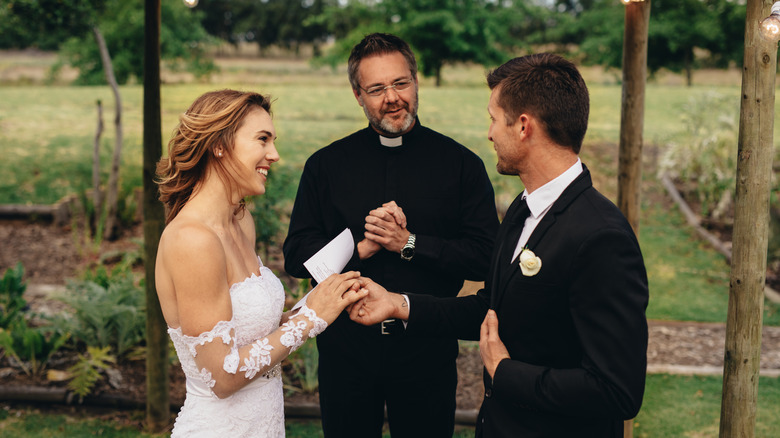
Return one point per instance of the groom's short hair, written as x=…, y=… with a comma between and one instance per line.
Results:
x=548, y=87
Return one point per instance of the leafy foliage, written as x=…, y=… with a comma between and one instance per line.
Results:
x=107, y=312
x=31, y=347
x=182, y=42
x=12, y=302
x=441, y=32
x=271, y=211
x=44, y=23
x=678, y=29
x=86, y=372
x=706, y=155
x=305, y=360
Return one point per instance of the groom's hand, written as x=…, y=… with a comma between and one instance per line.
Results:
x=379, y=305
x=491, y=348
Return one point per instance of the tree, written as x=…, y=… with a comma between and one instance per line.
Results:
x=267, y=23
x=441, y=32
x=158, y=397
x=729, y=49
x=44, y=24
x=109, y=232
x=183, y=42
x=677, y=29
x=220, y=18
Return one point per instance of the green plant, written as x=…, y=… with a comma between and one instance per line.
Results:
x=304, y=361
x=31, y=347
x=269, y=209
x=12, y=302
x=305, y=364
x=107, y=312
x=704, y=158
x=86, y=372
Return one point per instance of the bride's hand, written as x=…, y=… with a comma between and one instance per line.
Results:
x=334, y=294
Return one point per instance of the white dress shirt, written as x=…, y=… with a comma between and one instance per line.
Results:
x=540, y=201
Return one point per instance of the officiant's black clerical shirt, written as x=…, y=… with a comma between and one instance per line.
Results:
x=441, y=186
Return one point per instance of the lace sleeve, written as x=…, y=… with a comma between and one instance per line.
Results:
x=225, y=368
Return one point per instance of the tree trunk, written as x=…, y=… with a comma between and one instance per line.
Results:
x=157, y=399
x=109, y=232
x=688, y=65
x=751, y=230
x=632, y=121
x=96, y=198
x=633, y=110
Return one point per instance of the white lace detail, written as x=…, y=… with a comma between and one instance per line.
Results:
x=205, y=377
x=257, y=410
x=259, y=357
x=293, y=334
x=231, y=360
x=319, y=324
x=221, y=330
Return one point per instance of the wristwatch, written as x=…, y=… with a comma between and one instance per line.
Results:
x=407, y=252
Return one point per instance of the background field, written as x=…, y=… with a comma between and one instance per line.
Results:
x=46, y=134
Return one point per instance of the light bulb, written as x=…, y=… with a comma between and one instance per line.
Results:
x=770, y=28
x=191, y=3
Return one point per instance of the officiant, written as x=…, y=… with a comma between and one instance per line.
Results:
x=422, y=212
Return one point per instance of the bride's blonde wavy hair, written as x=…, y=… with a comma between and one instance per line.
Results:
x=210, y=122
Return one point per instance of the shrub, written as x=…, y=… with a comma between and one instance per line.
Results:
x=704, y=158
x=304, y=362
x=12, y=302
x=86, y=371
x=271, y=210
x=31, y=347
x=107, y=312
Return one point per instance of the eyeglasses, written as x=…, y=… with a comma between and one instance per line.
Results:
x=380, y=90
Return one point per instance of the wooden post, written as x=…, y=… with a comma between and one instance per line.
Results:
x=632, y=116
x=751, y=230
x=632, y=112
x=157, y=399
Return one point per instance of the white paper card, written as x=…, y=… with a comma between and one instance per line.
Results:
x=331, y=259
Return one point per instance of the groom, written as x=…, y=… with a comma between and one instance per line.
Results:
x=561, y=322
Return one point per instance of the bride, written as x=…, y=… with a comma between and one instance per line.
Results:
x=224, y=309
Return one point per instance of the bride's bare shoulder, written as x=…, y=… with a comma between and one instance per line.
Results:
x=185, y=236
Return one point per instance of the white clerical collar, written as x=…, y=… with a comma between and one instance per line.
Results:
x=391, y=141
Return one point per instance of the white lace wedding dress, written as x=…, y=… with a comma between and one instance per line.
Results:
x=256, y=410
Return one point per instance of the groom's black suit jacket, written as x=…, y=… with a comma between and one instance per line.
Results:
x=576, y=332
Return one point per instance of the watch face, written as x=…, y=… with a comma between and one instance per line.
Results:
x=407, y=252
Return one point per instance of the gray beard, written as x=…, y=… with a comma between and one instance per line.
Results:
x=386, y=128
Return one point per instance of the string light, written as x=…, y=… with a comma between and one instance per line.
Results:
x=625, y=2
x=191, y=3
x=770, y=26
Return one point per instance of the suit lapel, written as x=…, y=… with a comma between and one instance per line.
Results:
x=507, y=272
x=503, y=240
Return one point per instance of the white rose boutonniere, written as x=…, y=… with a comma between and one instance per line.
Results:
x=530, y=264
